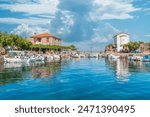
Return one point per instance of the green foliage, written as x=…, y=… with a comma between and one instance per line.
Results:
x=72, y=47
x=132, y=46
x=14, y=41
x=53, y=47
x=110, y=45
x=23, y=44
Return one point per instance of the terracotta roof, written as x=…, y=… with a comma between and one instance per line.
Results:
x=43, y=35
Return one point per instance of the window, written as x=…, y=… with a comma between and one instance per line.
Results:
x=38, y=39
x=47, y=39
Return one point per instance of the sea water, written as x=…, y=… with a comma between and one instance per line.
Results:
x=76, y=79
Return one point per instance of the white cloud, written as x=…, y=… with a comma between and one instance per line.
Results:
x=73, y=22
x=105, y=34
x=31, y=21
x=67, y=21
x=86, y=45
x=112, y=9
x=41, y=11
x=33, y=7
x=147, y=35
x=28, y=30
x=38, y=13
x=102, y=35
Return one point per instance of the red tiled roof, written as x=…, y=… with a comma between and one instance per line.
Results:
x=43, y=35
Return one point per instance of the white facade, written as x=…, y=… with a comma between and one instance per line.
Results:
x=120, y=40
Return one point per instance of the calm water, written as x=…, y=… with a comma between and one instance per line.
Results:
x=76, y=80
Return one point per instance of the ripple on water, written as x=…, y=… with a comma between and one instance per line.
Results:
x=85, y=79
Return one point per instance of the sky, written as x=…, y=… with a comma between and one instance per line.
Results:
x=88, y=24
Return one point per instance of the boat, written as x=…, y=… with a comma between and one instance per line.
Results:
x=31, y=58
x=56, y=57
x=111, y=56
x=93, y=55
x=52, y=57
x=21, y=57
x=135, y=58
x=75, y=56
x=39, y=58
x=82, y=55
x=146, y=58
x=16, y=57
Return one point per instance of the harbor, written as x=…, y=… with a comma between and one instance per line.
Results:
x=40, y=67
x=74, y=58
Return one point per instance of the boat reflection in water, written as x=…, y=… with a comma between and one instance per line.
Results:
x=45, y=70
x=76, y=79
x=124, y=68
x=14, y=72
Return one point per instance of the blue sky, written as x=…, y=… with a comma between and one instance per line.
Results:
x=85, y=23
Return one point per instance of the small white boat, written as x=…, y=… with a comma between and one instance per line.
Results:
x=39, y=58
x=75, y=56
x=31, y=59
x=16, y=57
x=93, y=55
x=53, y=57
x=111, y=56
x=15, y=60
x=56, y=57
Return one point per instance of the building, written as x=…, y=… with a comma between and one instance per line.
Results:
x=145, y=47
x=121, y=39
x=45, y=39
x=110, y=48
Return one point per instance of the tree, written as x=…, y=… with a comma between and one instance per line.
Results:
x=132, y=46
x=72, y=47
x=14, y=41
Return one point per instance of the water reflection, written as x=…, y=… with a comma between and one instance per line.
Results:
x=45, y=70
x=122, y=70
x=124, y=67
x=10, y=73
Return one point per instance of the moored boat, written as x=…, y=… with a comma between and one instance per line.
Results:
x=39, y=58
x=75, y=56
x=111, y=56
x=16, y=57
x=135, y=58
x=146, y=58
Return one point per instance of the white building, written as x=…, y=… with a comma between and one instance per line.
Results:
x=120, y=40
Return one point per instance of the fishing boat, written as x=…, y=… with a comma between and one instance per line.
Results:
x=146, y=58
